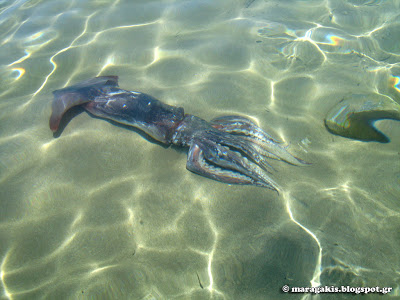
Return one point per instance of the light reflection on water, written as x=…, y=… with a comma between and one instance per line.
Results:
x=102, y=212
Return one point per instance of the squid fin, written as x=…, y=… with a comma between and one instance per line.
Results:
x=75, y=95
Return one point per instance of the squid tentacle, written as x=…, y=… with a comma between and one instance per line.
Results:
x=236, y=142
x=223, y=164
x=241, y=126
x=260, y=140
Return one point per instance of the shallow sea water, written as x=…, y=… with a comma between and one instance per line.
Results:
x=102, y=213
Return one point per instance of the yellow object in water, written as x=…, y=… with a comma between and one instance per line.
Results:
x=354, y=116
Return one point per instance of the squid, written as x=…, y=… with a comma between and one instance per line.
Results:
x=229, y=149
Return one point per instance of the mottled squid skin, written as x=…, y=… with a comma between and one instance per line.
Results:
x=231, y=149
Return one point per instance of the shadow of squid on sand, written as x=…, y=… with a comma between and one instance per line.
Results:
x=230, y=149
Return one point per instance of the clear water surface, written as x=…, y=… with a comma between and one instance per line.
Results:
x=102, y=213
